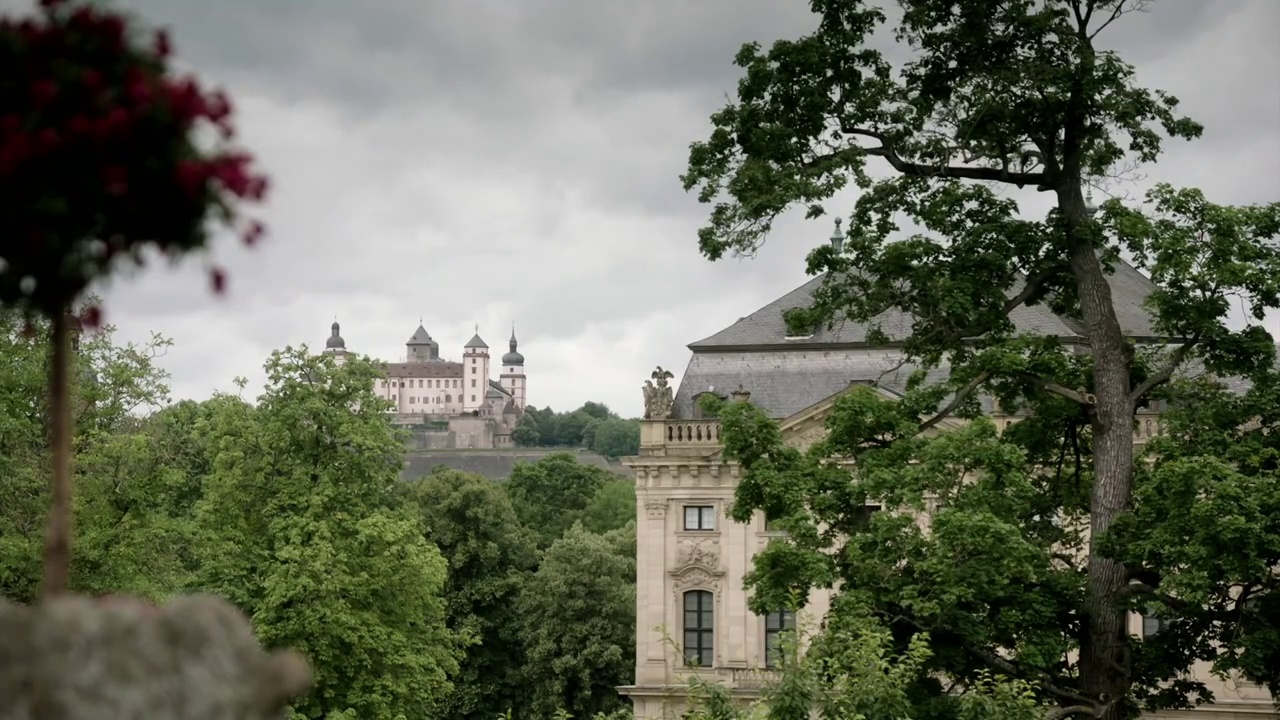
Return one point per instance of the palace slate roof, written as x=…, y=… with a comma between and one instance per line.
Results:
x=786, y=375
x=765, y=328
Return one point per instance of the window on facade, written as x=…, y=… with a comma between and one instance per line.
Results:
x=862, y=520
x=448, y=398
x=699, y=632
x=771, y=524
x=473, y=398
x=699, y=517
x=776, y=623
x=473, y=384
x=1152, y=623
x=413, y=400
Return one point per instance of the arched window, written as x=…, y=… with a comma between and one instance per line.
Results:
x=699, y=632
x=776, y=623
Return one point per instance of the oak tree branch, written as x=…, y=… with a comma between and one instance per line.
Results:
x=1165, y=372
x=886, y=151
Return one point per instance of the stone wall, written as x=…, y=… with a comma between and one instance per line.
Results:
x=495, y=464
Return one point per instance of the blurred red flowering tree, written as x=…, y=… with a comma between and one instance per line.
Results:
x=104, y=152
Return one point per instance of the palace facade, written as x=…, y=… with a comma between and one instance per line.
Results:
x=691, y=606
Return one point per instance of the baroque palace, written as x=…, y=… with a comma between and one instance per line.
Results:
x=692, y=618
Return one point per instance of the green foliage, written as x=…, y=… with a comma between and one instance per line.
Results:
x=579, y=623
x=1016, y=94
x=299, y=526
x=293, y=509
x=581, y=428
x=550, y=495
x=612, y=507
x=615, y=438
x=110, y=383
x=852, y=671
x=491, y=557
x=1205, y=533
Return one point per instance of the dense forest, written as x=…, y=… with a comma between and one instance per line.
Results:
x=450, y=596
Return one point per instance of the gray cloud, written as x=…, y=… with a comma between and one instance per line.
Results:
x=478, y=161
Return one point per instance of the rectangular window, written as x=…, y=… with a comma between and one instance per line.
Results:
x=473, y=384
x=413, y=400
x=699, y=632
x=419, y=383
x=863, y=518
x=771, y=524
x=776, y=623
x=473, y=398
x=699, y=517
x=1153, y=624
x=473, y=369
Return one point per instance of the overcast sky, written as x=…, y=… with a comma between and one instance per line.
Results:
x=497, y=161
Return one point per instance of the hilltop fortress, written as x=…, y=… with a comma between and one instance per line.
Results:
x=450, y=404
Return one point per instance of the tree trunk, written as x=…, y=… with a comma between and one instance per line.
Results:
x=57, y=549
x=1104, y=644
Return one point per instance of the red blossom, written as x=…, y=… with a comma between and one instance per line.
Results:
x=115, y=180
x=79, y=126
x=232, y=171
x=163, y=46
x=253, y=233
x=137, y=87
x=185, y=99
x=91, y=317
x=98, y=124
x=43, y=92
x=257, y=190
x=48, y=140
x=218, y=280
x=92, y=80
x=191, y=177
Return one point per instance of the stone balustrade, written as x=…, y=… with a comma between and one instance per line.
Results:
x=680, y=433
x=754, y=677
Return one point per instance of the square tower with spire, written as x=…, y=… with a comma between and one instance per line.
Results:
x=475, y=372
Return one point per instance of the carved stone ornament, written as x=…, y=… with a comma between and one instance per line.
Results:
x=659, y=398
x=698, y=554
x=656, y=509
x=195, y=658
x=809, y=435
x=696, y=578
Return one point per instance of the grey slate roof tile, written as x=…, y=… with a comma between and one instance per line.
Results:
x=785, y=376
x=766, y=327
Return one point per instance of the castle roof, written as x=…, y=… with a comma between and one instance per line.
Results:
x=787, y=374
x=476, y=342
x=420, y=337
x=512, y=356
x=335, y=341
x=436, y=369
